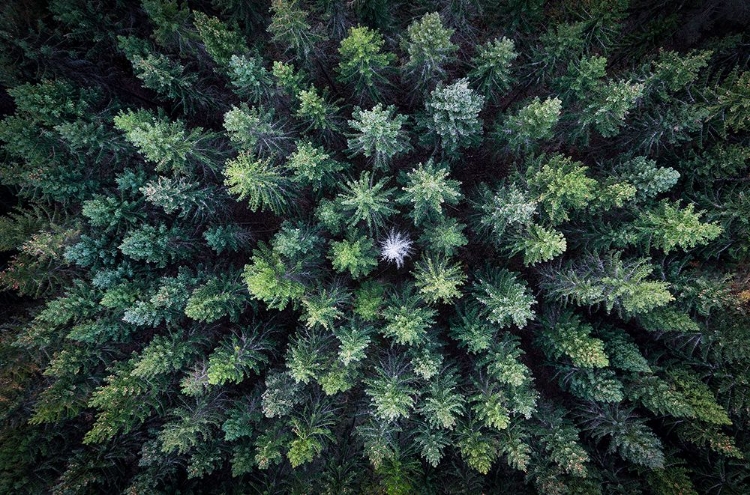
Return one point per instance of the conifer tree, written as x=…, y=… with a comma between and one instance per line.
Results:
x=168, y=145
x=430, y=49
x=168, y=78
x=268, y=239
x=290, y=28
x=366, y=201
x=504, y=299
x=559, y=185
x=260, y=182
x=534, y=122
x=362, y=62
x=438, y=280
x=379, y=134
x=427, y=189
x=222, y=43
x=316, y=111
x=358, y=257
x=250, y=79
x=313, y=165
x=255, y=130
x=609, y=280
x=453, y=112
x=491, y=68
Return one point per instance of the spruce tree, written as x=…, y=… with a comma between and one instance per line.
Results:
x=387, y=247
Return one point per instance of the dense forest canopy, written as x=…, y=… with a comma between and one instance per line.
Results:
x=387, y=246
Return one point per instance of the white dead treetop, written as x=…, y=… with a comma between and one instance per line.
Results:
x=395, y=247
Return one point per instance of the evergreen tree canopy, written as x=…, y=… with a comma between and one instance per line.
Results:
x=377, y=247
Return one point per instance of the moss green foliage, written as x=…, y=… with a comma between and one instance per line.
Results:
x=166, y=144
x=568, y=337
x=222, y=43
x=366, y=201
x=427, y=189
x=291, y=29
x=504, y=299
x=258, y=181
x=357, y=257
x=363, y=63
x=532, y=123
x=438, y=280
x=378, y=247
x=429, y=48
x=249, y=78
x=254, y=129
x=559, y=185
x=538, y=244
x=491, y=67
x=316, y=111
x=312, y=164
x=379, y=134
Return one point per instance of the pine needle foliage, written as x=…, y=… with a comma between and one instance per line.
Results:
x=296, y=246
x=506, y=300
x=427, y=189
x=259, y=181
x=429, y=47
x=363, y=63
x=379, y=134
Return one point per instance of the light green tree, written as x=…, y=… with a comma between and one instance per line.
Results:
x=271, y=279
x=315, y=109
x=560, y=185
x=379, y=134
x=407, y=319
x=438, y=280
x=237, y=356
x=428, y=189
x=538, y=244
x=354, y=340
x=607, y=109
x=218, y=297
x=322, y=306
x=312, y=431
x=566, y=335
x=259, y=181
x=290, y=29
x=221, y=42
x=367, y=201
x=363, y=63
x=358, y=257
x=503, y=298
x=618, y=284
x=249, y=78
x=443, y=404
x=443, y=237
x=582, y=78
x=533, y=123
x=391, y=390
x=429, y=47
x=168, y=145
x=490, y=72
x=674, y=72
x=667, y=226
x=313, y=165
x=255, y=130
